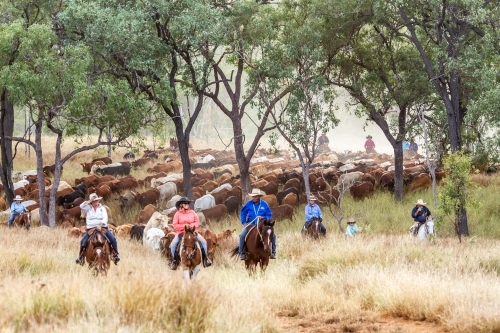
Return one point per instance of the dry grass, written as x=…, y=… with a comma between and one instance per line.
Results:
x=348, y=281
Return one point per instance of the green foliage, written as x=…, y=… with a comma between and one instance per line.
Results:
x=457, y=188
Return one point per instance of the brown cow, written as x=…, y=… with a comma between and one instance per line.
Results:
x=211, y=239
x=76, y=202
x=225, y=235
x=290, y=199
x=421, y=181
x=369, y=178
x=150, y=196
x=74, y=232
x=282, y=212
x=88, y=181
x=328, y=197
x=124, y=230
x=103, y=191
x=294, y=182
x=87, y=167
x=144, y=215
x=361, y=190
x=216, y=213
x=270, y=188
x=147, y=181
x=271, y=200
x=3, y=204
x=76, y=212
x=209, y=186
x=126, y=183
x=142, y=161
x=220, y=196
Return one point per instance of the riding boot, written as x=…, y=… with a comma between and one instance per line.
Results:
x=206, y=261
x=81, y=258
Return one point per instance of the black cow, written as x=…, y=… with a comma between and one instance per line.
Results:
x=70, y=197
x=119, y=170
x=81, y=187
x=129, y=156
x=205, y=166
x=281, y=195
x=232, y=203
x=137, y=232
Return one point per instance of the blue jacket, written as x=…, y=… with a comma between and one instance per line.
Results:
x=250, y=211
x=17, y=208
x=422, y=215
x=313, y=211
x=351, y=230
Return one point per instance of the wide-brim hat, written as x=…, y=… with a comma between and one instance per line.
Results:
x=369, y=137
x=312, y=197
x=351, y=220
x=18, y=198
x=94, y=197
x=181, y=201
x=420, y=202
x=256, y=192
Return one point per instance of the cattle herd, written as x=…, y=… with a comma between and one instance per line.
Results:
x=216, y=187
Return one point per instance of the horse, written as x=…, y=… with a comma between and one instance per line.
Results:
x=258, y=245
x=424, y=230
x=313, y=228
x=24, y=220
x=98, y=251
x=190, y=253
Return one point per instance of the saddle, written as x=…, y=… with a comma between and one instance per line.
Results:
x=91, y=232
x=177, y=256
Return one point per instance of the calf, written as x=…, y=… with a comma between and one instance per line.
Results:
x=137, y=232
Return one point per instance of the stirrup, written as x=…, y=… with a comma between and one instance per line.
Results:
x=80, y=260
x=173, y=265
x=272, y=256
x=207, y=262
x=115, y=258
x=243, y=256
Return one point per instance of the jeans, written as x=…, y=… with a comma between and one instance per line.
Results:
x=322, y=228
x=175, y=241
x=108, y=234
x=244, y=233
x=12, y=218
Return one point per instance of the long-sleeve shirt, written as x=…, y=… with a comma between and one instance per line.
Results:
x=420, y=216
x=183, y=218
x=369, y=144
x=313, y=211
x=17, y=208
x=251, y=210
x=94, y=217
x=351, y=229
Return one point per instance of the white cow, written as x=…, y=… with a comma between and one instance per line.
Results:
x=171, y=202
x=205, y=159
x=155, y=182
x=94, y=167
x=20, y=184
x=167, y=191
x=169, y=210
x=223, y=186
x=20, y=175
x=347, y=179
x=205, y=202
x=62, y=186
x=346, y=167
x=153, y=238
x=157, y=220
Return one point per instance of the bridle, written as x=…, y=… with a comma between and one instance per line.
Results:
x=192, y=247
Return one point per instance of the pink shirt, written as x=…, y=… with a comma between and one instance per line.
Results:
x=369, y=143
x=182, y=218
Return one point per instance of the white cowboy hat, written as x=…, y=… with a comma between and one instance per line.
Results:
x=420, y=202
x=312, y=197
x=18, y=198
x=369, y=137
x=94, y=197
x=351, y=220
x=257, y=192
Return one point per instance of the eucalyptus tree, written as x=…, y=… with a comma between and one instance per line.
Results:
x=15, y=18
x=153, y=46
x=51, y=81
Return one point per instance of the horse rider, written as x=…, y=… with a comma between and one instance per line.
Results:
x=352, y=228
x=420, y=214
x=96, y=215
x=313, y=210
x=370, y=145
x=16, y=209
x=251, y=212
x=323, y=139
x=186, y=216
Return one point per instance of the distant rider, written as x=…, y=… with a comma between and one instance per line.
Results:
x=312, y=210
x=420, y=214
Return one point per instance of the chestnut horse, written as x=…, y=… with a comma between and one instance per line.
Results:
x=98, y=251
x=313, y=228
x=24, y=220
x=258, y=245
x=190, y=253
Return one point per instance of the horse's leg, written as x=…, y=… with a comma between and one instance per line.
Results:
x=196, y=270
x=187, y=274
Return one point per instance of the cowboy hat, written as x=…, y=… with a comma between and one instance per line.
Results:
x=181, y=201
x=256, y=192
x=420, y=202
x=312, y=197
x=93, y=197
x=369, y=137
x=351, y=220
x=18, y=198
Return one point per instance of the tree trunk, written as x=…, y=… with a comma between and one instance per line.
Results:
x=305, y=174
x=398, y=172
x=39, y=171
x=464, y=227
x=183, y=141
x=6, y=130
x=239, y=151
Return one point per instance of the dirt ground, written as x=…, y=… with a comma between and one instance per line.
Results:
x=377, y=324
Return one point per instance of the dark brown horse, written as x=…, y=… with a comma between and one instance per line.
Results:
x=98, y=251
x=313, y=228
x=24, y=220
x=190, y=253
x=258, y=244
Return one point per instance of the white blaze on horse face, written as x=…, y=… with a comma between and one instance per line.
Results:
x=98, y=252
x=269, y=238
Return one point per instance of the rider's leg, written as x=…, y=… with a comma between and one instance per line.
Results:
x=173, y=245
x=304, y=227
x=114, y=244
x=243, y=255
x=80, y=260
x=206, y=261
x=273, y=247
x=11, y=219
x=323, y=229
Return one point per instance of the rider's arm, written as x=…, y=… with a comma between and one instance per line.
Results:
x=196, y=221
x=267, y=211
x=308, y=213
x=104, y=213
x=243, y=214
x=85, y=206
x=320, y=214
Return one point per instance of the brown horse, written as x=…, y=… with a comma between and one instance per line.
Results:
x=98, y=251
x=23, y=220
x=313, y=228
x=258, y=245
x=190, y=253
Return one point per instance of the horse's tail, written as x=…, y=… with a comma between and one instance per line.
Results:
x=234, y=252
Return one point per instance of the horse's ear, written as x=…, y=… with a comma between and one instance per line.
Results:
x=272, y=223
x=186, y=227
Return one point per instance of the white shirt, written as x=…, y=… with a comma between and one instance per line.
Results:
x=95, y=217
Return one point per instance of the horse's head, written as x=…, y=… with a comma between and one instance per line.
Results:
x=266, y=231
x=314, y=228
x=27, y=220
x=189, y=242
